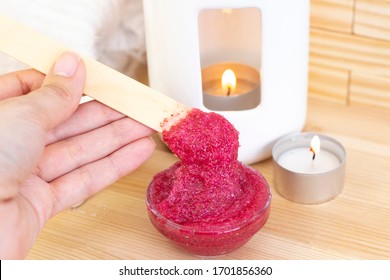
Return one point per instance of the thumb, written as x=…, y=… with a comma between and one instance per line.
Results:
x=61, y=91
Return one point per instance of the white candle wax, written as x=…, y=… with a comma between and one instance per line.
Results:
x=300, y=160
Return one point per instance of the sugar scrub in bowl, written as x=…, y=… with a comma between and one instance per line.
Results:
x=208, y=203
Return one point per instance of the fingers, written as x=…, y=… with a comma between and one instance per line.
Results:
x=84, y=182
x=71, y=153
x=25, y=119
x=87, y=117
x=19, y=83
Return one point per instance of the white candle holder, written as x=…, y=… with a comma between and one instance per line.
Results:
x=185, y=37
x=296, y=181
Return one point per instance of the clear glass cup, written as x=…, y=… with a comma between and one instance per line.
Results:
x=215, y=240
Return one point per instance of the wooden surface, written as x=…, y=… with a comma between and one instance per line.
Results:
x=349, y=49
x=355, y=225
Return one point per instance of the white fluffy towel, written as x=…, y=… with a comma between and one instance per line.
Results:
x=111, y=31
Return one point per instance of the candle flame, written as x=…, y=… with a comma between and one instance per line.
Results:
x=315, y=146
x=228, y=81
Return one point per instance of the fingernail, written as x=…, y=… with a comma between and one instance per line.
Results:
x=66, y=65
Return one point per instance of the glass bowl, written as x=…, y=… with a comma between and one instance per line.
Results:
x=215, y=240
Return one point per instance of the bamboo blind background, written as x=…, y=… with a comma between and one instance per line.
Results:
x=350, y=51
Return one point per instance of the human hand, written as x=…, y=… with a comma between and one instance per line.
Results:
x=54, y=153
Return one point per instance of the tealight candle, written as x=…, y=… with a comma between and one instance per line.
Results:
x=308, y=168
x=230, y=87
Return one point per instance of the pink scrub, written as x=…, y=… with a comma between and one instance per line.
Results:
x=208, y=188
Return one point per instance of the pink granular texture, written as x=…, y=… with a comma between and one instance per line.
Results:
x=208, y=186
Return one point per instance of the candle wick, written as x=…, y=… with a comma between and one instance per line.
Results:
x=229, y=89
x=314, y=153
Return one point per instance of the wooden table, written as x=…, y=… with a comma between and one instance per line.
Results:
x=356, y=225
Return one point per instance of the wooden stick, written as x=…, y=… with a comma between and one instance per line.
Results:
x=104, y=84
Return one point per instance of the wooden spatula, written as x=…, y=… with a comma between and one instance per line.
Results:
x=104, y=84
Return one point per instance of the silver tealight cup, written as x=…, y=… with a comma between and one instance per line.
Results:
x=313, y=186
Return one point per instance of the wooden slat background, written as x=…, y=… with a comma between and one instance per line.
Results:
x=350, y=51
